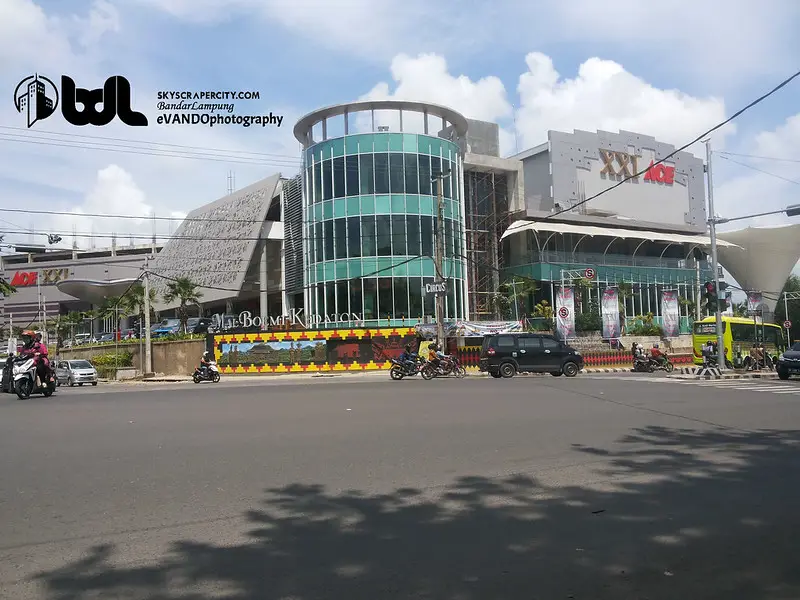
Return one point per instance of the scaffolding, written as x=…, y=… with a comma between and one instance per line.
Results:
x=487, y=217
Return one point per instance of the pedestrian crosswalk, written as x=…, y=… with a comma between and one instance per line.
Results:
x=770, y=386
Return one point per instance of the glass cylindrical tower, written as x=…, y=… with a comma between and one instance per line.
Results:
x=370, y=214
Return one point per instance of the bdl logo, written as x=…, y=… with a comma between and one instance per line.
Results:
x=38, y=97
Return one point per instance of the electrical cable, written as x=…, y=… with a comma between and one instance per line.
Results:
x=758, y=170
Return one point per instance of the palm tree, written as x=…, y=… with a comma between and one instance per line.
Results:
x=625, y=291
x=6, y=289
x=519, y=288
x=185, y=291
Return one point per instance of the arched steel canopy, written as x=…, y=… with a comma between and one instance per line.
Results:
x=303, y=127
x=94, y=291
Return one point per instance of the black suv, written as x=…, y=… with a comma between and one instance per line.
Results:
x=506, y=354
x=789, y=362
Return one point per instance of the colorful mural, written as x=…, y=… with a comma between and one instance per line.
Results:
x=310, y=351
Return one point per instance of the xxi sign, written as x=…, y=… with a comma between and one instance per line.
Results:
x=38, y=97
x=624, y=165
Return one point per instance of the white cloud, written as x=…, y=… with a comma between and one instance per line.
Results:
x=605, y=96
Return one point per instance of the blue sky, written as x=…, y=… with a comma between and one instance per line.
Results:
x=669, y=72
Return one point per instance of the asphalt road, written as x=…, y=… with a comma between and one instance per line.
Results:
x=590, y=488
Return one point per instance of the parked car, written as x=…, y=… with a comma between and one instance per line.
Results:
x=198, y=325
x=788, y=363
x=506, y=354
x=75, y=372
x=104, y=338
x=166, y=327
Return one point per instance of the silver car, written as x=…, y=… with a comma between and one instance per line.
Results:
x=76, y=372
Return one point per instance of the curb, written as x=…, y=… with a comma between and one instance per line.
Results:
x=725, y=376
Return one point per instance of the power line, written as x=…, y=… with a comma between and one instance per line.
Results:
x=760, y=170
x=770, y=158
x=674, y=152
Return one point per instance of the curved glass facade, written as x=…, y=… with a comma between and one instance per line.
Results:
x=370, y=216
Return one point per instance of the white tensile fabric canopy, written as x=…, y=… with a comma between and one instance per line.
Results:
x=770, y=254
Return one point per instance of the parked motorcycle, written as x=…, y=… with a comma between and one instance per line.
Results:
x=449, y=366
x=409, y=368
x=211, y=374
x=641, y=364
x=27, y=380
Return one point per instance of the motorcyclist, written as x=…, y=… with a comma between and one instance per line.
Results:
x=33, y=347
x=408, y=358
x=657, y=355
x=205, y=361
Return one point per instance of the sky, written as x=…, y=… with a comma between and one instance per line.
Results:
x=672, y=71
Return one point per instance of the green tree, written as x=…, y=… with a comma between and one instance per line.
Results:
x=185, y=291
x=136, y=301
x=6, y=289
x=520, y=292
x=625, y=291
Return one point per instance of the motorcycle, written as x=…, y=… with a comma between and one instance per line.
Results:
x=653, y=365
x=408, y=368
x=27, y=380
x=211, y=374
x=448, y=366
x=641, y=364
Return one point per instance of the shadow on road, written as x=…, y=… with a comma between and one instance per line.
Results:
x=673, y=514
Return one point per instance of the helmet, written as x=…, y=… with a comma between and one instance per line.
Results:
x=29, y=337
x=206, y=354
x=655, y=345
x=38, y=336
x=408, y=348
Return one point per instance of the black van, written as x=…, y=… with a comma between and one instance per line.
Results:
x=506, y=354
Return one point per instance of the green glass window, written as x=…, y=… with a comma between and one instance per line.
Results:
x=318, y=182
x=424, y=144
x=428, y=268
x=328, y=240
x=330, y=270
x=401, y=297
x=436, y=169
x=340, y=207
x=337, y=146
x=399, y=246
x=395, y=142
x=342, y=296
x=448, y=181
x=318, y=241
x=409, y=143
x=412, y=235
x=351, y=144
x=384, y=230
x=411, y=174
x=355, y=297
x=383, y=204
x=355, y=267
x=400, y=269
x=369, y=236
x=353, y=206
x=327, y=210
x=318, y=212
x=341, y=269
x=365, y=143
x=412, y=204
x=381, y=141
x=428, y=299
x=424, y=175
x=367, y=205
x=327, y=180
x=320, y=269
x=367, y=174
x=425, y=205
x=338, y=177
x=436, y=147
x=398, y=203
x=397, y=182
x=369, y=265
x=326, y=151
x=370, y=298
x=385, y=300
x=382, y=173
x=426, y=228
x=351, y=175
x=415, y=267
x=414, y=296
x=354, y=237
x=340, y=237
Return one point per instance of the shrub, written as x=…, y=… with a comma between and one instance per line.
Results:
x=121, y=359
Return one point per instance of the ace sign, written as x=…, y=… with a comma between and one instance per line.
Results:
x=43, y=277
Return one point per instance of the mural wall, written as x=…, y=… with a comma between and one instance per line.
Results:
x=310, y=351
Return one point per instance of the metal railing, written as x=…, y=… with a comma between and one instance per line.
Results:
x=620, y=260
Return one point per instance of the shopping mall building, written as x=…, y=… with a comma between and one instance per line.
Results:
x=350, y=239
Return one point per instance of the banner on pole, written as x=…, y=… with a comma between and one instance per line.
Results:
x=754, y=301
x=610, y=313
x=565, y=313
x=670, y=313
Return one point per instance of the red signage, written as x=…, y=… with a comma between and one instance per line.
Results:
x=588, y=274
x=563, y=312
x=787, y=323
x=660, y=173
x=22, y=279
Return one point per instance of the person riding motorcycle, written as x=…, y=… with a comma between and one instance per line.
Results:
x=436, y=356
x=33, y=347
x=408, y=358
x=657, y=355
x=205, y=361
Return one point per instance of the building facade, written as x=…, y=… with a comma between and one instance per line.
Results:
x=370, y=200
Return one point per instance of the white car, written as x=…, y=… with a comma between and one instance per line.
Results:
x=76, y=372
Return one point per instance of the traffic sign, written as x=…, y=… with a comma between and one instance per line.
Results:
x=589, y=273
x=563, y=312
x=787, y=324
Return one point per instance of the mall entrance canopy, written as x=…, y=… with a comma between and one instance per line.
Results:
x=93, y=291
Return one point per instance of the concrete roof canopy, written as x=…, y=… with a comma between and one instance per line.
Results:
x=93, y=291
x=770, y=254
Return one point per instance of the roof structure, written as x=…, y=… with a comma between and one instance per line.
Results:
x=94, y=291
x=769, y=257
x=214, y=244
x=614, y=232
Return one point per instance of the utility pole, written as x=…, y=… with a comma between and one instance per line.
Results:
x=712, y=221
x=148, y=356
x=439, y=251
x=516, y=304
x=697, y=289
